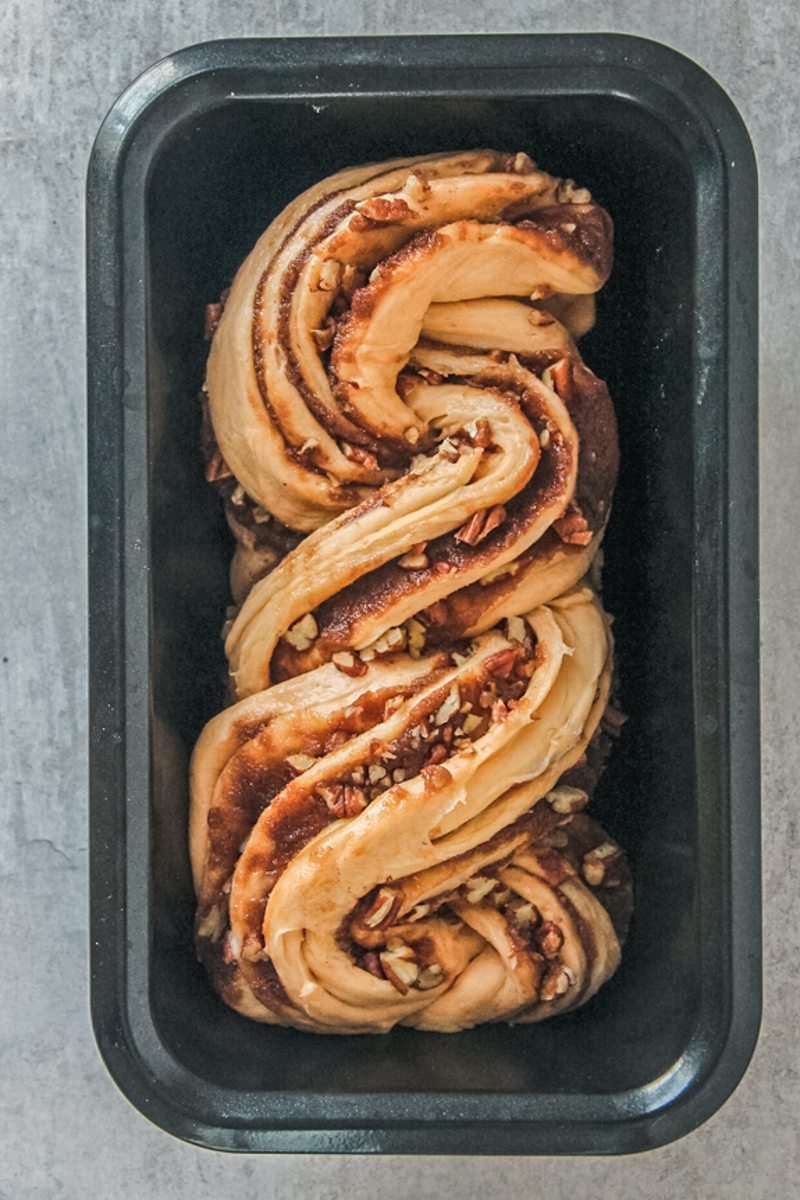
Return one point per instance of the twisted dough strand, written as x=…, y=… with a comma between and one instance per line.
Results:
x=383, y=829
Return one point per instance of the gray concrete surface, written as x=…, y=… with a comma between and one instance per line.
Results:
x=66, y=1132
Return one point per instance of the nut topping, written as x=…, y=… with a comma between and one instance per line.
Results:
x=448, y=708
x=430, y=977
x=416, y=637
x=350, y=664
x=480, y=525
x=523, y=912
x=383, y=908
x=323, y=338
x=478, y=887
x=300, y=762
x=413, y=562
x=302, y=633
x=549, y=939
x=383, y=210
x=480, y=433
x=399, y=965
x=568, y=193
x=573, y=529
x=553, y=867
x=596, y=862
x=359, y=455
x=564, y=799
x=523, y=164
x=555, y=983
x=330, y=275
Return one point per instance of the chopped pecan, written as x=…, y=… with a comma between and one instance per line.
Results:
x=383, y=210
x=354, y=801
x=553, y=867
x=573, y=528
x=480, y=433
x=480, y=525
x=564, y=799
x=385, y=905
x=437, y=755
x=560, y=378
x=555, y=982
x=301, y=635
x=330, y=275
x=568, y=193
x=349, y=664
x=430, y=977
x=402, y=973
x=414, y=560
x=323, y=338
x=503, y=662
x=523, y=913
x=597, y=862
x=549, y=939
x=520, y=164
x=360, y=455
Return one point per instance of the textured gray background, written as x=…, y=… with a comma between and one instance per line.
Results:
x=66, y=1130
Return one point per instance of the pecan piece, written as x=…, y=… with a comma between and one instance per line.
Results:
x=555, y=982
x=323, y=338
x=560, y=378
x=480, y=525
x=553, y=867
x=564, y=799
x=383, y=210
x=549, y=939
x=384, y=908
x=480, y=433
x=573, y=529
x=596, y=863
x=301, y=635
x=360, y=455
x=349, y=664
x=354, y=801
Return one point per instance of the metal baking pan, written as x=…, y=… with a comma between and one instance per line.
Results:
x=190, y=165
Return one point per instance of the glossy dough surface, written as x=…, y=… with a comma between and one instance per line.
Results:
x=418, y=467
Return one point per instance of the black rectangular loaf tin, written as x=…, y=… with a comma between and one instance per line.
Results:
x=190, y=165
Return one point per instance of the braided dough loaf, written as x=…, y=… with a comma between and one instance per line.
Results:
x=418, y=469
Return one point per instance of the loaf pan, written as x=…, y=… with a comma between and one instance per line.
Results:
x=191, y=164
